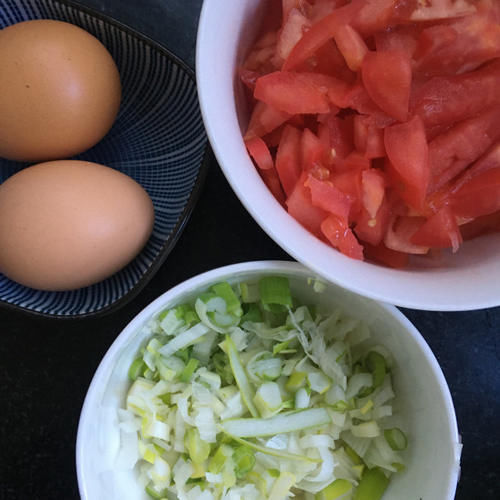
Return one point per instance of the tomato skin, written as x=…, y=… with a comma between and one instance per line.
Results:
x=450, y=153
x=297, y=93
x=387, y=79
x=445, y=100
x=288, y=158
x=407, y=150
x=340, y=236
x=439, y=231
x=479, y=196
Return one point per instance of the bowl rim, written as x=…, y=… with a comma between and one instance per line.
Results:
x=267, y=266
x=185, y=215
x=397, y=286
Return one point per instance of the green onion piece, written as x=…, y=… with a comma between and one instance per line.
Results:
x=240, y=376
x=249, y=292
x=372, y=485
x=295, y=381
x=225, y=291
x=399, y=467
x=183, y=354
x=188, y=371
x=358, y=470
x=136, y=369
x=153, y=492
x=244, y=461
x=340, y=406
x=217, y=461
x=252, y=314
x=280, y=347
x=268, y=399
x=279, y=424
x=377, y=366
x=273, y=472
x=334, y=490
x=275, y=290
x=198, y=449
x=366, y=429
x=165, y=398
x=282, y=486
x=356, y=459
x=222, y=368
x=396, y=439
x=274, y=452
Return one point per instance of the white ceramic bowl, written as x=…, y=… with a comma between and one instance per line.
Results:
x=424, y=401
x=465, y=281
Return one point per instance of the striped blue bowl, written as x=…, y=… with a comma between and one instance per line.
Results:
x=158, y=139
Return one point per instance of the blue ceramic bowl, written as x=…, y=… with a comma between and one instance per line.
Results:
x=158, y=139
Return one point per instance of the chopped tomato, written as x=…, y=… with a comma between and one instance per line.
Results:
x=373, y=189
x=320, y=33
x=479, y=196
x=297, y=92
x=351, y=45
x=439, y=231
x=380, y=121
x=264, y=119
x=368, y=138
x=288, y=158
x=460, y=46
x=340, y=236
x=448, y=99
x=481, y=225
x=300, y=207
x=400, y=232
x=387, y=79
x=326, y=196
x=451, y=152
x=271, y=179
x=260, y=153
x=341, y=136
x=408, y=163
x=373, y=229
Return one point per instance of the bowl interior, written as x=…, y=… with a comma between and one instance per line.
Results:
x=452, y=282
x=158, y=139
x=424, y=402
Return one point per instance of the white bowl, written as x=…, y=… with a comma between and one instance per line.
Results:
x=457, y=282
x=424, y=402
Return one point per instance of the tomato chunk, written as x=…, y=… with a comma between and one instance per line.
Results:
x=327, y=197
x=373, y=229
x=271, y=179
x=451, y=152
x=351, y=45
x=407, y=150
x=340, y=236
x=400, y=232
x=300, y=207
x=479, y=196
x=439, y=231
x=387, y=78
x=288, y=158
x=264, y=119
x=297, y=93
x=391, y=258
x=260, y=153
x=445, y=100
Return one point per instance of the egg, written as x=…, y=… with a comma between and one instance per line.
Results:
x=60, y=91
x=68, y=224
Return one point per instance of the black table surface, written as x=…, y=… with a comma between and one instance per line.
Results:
x=46, y=365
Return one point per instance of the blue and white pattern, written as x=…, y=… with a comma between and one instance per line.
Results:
x=158, y=139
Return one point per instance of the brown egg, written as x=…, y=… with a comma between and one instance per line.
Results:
x=68, y=224
x=59, y=91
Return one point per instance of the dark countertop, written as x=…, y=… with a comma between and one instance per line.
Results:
x=47, y=365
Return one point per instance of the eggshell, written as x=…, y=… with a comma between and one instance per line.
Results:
x=59, y=90
x=68, y=224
